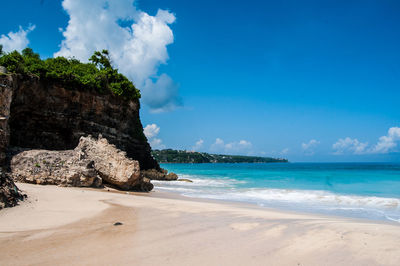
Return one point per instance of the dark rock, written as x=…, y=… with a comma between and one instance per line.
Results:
x=171, y=176
x=118, y=223
x=9, y=193
x=153, y=174
x=185, y=180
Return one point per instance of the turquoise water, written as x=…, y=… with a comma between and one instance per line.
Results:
x=363, y=190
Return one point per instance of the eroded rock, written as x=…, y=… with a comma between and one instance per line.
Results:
x=9, y=193
x=111, y=164
x=153, y=174
x=91, y=163
x=64, y=168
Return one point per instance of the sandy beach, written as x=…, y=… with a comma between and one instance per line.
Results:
x=74, y=226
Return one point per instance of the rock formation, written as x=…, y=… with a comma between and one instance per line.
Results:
x=39, y=115
x=153, y=174
x=92, y=163
x=47, y=121
x=64, y=168
x=9, y=193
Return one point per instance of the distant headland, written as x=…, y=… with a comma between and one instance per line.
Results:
x=182, y=156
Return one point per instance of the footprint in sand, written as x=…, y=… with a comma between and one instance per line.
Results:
x=244, y=226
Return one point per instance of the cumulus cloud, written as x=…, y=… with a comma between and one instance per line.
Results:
x=349, y=145
x=151, y=131
x=238, y=146
x=308, y=147
x=156, y=143
x=385, y=144
x=284, y=151
x=16, y=40
x=389, y=142
x=137, y=43
x=198, y=145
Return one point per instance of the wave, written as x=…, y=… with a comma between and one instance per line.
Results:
x=199, y=182
x=303, y=200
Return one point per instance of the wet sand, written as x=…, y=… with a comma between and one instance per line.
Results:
x=75, y=226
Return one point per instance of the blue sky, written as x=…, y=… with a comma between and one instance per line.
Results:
x=306, y=80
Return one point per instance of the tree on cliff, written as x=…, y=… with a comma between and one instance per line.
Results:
x=101, y=60
x=117, y=82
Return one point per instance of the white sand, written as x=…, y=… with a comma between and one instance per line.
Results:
x=72, y=226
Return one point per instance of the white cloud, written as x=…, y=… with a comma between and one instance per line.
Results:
x=198, y=145
x=386, y=144
x=156, y=143
x=349, y=145
x=389, y=142
x=137, y=43
x=284, y=151
x=151, y=131
x=241, y=146
x=308, y=147
x=16, y=40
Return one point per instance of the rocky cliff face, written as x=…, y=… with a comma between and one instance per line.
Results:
x=39, y=115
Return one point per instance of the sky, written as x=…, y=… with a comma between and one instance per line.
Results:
x=311, y=81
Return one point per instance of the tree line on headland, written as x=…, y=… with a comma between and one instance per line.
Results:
x=181, y=156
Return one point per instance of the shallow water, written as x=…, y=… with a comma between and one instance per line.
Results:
x=363, y=190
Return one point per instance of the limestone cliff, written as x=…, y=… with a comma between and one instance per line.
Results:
x=39, y=115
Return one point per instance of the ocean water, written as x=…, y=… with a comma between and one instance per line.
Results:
x=362, y=190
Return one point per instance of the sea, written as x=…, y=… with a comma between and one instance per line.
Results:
x=359, y=190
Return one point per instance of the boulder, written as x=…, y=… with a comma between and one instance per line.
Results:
x=64, y=168
x=185, y=180
x=111, y=164
x=154, y=174
x=92, y=163
x=9, y=193
x=171, y=176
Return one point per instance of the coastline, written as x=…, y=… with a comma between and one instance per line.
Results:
x=62, y=226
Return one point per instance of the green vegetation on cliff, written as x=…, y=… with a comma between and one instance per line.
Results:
x=97, y=75
x=176, y=156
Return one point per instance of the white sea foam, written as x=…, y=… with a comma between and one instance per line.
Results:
x=198, y=182
x=310, y=200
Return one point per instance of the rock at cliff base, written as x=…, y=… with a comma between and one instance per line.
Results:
x=111, y=164
x=185, y=180
x=91, y=163
x=9, y=193
x=163, y=175
x=64, y=168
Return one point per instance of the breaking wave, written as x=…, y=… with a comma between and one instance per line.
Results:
x=319, y=201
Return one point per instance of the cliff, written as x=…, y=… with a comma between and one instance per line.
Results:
x=44, y=115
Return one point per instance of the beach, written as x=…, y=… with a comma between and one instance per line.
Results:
x=75, y=226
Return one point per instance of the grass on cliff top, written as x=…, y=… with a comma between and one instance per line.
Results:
x=97, y=75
